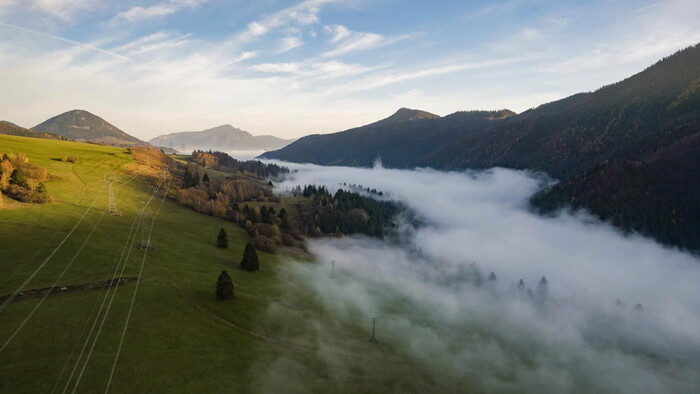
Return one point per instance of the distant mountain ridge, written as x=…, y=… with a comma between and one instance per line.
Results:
x=399, y=139
x=224, y=137
x=80, y=125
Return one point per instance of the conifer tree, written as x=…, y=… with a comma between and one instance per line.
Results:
x=224, y=286
x=205, y=178
x=222, y=239
x=250, y=260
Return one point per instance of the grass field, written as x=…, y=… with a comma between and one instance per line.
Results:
x=179, y=337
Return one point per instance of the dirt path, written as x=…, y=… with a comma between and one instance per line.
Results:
x=104, y=284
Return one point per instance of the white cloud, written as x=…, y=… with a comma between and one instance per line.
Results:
x=313, y=69
x=290, y=42
x=351, y=41
x=304, y=13
x=63, y=9
x=339, y=32
x=155, y=42
x=165, y=8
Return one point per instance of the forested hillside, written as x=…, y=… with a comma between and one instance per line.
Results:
x=12, y=129
x=398, y=140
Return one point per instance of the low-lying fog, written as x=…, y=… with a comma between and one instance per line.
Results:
x=580, y=332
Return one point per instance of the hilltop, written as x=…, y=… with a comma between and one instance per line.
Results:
x=80, y=125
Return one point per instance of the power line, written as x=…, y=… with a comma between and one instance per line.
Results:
x=136, y=289
x=114, y=293
x=55, y=283
x=126, y=247
x=41, y=266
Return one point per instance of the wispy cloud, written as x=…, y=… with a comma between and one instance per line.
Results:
x=304, y=13
x=153, y=43
x=389, y=78
x=351, y=41
x=313, y=69
x=65, y=40
x=63, y=9
x=290, y=42
x=159, y=10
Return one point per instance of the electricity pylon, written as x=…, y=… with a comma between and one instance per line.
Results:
x=374, y=325
x=110, y=178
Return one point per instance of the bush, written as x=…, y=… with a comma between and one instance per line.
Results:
x=33, y=171
x=69, y=159
x=263, y=243
x=38, y=196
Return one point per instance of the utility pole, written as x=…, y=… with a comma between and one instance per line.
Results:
x=374, y=326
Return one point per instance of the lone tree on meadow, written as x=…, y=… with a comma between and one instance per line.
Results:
x=224, y=286
x=250, y=259
x=222, y=239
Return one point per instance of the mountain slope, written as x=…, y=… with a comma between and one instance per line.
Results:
x=80, y=125
x=12, y=129
x=399, y=139
x=225, y=137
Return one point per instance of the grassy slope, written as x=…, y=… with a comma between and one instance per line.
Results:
x=180, y=338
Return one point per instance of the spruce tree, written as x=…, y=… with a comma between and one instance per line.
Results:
x=224, y=286
x=205, y=178
x=250, y=259
x=222, y=239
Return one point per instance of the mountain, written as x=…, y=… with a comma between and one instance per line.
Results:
x=12, y=129
x=628, y=152
x=223, y=138
x=399, y=139
x=626, y=120
x=80, y=125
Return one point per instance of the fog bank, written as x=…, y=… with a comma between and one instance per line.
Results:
x=431, y=293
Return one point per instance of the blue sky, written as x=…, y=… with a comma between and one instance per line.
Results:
x=291, y=68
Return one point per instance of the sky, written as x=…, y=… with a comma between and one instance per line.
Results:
x=292, y=68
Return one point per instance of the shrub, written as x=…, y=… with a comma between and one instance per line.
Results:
x=263, y=243
x=69, y=159
x=33, y=171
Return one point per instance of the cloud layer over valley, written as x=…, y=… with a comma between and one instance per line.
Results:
x=431, y=292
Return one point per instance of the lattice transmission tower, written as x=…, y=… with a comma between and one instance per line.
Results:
x=110, y=178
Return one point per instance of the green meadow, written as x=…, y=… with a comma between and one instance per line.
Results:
x=180, y=338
